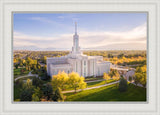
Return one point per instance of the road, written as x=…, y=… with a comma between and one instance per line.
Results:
x=29, y=74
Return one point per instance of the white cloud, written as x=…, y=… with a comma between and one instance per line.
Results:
x=87, y=39
x=42, y=19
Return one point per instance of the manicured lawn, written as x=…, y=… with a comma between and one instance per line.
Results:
x=109, y=93
x=98, y=83
x=92, y=78
x=17, y=72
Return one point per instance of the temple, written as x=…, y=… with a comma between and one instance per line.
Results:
x=78, y=62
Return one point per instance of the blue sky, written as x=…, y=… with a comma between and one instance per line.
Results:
x=103, y=31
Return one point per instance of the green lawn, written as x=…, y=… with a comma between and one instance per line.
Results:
x=109, y=93
x=17, y=72
x=98, y=83
x=92, y=78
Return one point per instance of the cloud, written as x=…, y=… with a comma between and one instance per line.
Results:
x=42, y=19
x=135, y=38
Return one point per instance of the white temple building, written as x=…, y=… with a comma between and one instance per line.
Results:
x=78, y=62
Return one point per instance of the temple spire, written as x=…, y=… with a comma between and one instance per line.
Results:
x=75, y=27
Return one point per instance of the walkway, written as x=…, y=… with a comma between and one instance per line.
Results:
x=90, y=87
x=29, y=74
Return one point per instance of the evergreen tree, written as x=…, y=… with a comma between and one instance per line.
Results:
x=123, y=85
x=48, y=91
x=58, y=96
x=26, y=95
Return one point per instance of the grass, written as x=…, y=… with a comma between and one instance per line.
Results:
x=17, y=72
x=109, y=93
x=92, y=78
x=98, y=83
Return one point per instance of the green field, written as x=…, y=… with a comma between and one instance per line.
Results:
x=109, y=93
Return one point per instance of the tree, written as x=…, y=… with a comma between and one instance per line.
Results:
x=27, y=91
x=35, y=98
x=123, y=85
x=19, y=82
x=16, y=66
x=48, y=91
x=143, y=79
x=36, y=82
x=121, y=55
x=116, y=77
x=130, y=78
x=28, y=84
x=137, y=78
x=60, y=80
x=44, y=59
x=106, y=77
x=45, y=67
x=22, y=71
x=37, y=94
x=76, y=82
x=26, y=95
x=140, y=75
x=58, y=96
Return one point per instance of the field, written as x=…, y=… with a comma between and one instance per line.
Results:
x=109, y=93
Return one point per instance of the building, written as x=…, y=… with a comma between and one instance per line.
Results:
x=78, y=62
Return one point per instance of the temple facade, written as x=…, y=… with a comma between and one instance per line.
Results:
x=78, y=62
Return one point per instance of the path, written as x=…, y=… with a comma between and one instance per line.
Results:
x=90, y=87
x=140, y=85
x=29, y=74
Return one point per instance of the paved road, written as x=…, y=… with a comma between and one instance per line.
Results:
x=29, y=74
x=90, y=87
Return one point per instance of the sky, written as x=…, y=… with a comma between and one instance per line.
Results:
x=97, y=31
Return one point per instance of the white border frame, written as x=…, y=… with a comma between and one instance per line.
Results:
x=150, y=6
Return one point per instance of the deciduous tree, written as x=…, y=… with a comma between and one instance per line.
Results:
x=76, y=82
x=60, y=80
x=106, y=77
